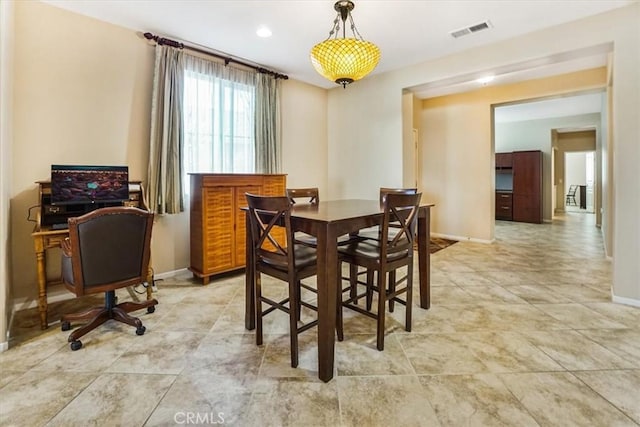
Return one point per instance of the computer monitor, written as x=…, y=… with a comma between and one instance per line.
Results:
x=72, y=184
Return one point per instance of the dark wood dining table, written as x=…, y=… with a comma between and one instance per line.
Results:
x=327, y=221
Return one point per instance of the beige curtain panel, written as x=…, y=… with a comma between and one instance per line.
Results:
x=268, y=150
x=169, y=153
x=165, y=172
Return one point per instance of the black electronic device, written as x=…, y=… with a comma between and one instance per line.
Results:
x=77, y=185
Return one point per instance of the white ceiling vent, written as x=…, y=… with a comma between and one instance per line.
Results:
x=471, y=29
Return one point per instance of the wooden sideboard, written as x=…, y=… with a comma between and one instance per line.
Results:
x=519, y=186
x=504, y=205
x=218, y=230
x=527, y=186
x=47, y=236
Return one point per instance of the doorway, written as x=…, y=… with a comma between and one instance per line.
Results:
x=576, y=157
x=579, y=182
x=555, y=126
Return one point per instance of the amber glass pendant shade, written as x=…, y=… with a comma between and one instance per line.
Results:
x=347, y=59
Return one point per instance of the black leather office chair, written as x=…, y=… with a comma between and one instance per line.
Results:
x=107, y=249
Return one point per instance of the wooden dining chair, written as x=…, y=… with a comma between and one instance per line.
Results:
x=310, y=194
x=385, y=191
x=383, y=256
x=286, y=260
x=374, y=233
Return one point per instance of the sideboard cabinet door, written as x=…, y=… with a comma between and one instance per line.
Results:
x=217, y=223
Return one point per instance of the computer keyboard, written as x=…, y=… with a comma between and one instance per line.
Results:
x=61, y=226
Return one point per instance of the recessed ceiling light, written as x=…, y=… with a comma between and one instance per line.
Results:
x=485, y=80
x=263, y=32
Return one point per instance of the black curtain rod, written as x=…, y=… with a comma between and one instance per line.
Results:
x=227, y=60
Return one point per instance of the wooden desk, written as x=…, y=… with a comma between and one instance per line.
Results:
x=327, y=221
x=45, y=237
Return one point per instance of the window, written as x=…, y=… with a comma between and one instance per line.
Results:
x=218, y=125
x=204, y=119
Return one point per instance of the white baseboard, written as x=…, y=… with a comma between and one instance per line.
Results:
x=13, y=315
x=4, y=346
x=59, y=293
x=54, y=294
x=173, y=273
x=460, y=238
x=626, y=301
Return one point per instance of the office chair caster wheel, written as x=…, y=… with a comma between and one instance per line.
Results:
x=76, y=345
x=65, y=326
x=140, y=330
x=151, y=309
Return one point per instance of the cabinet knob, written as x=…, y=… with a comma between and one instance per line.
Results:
x=505, y=207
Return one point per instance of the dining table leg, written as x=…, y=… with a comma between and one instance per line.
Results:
x=327, y=259
x=424, y=255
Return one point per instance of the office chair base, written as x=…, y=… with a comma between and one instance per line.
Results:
x=99, y=315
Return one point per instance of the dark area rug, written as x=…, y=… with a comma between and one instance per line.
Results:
x=438, y=243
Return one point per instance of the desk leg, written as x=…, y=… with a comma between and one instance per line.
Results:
x=424, y=257
x=327, y=290
x=149, y=284
x=250, y=302
x=42, y=282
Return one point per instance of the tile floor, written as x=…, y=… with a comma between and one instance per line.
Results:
x=521, y=333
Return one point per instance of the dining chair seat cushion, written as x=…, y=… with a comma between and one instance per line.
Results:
x=374, y=233
x=309, y=240
x=305, y=256
x=369, y=249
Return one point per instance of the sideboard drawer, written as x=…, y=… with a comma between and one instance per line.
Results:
x=504, y=206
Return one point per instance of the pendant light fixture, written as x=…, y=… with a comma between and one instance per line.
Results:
x=347, y=59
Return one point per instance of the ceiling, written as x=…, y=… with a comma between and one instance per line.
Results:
x=556, y=107
x=407, y=31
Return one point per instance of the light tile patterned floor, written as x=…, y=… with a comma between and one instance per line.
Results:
x=521, y=333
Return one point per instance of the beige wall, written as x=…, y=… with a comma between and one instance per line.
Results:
x=6, y=130
x=409, y=152
x=455, y=141
x=82, y=96
x=365, y=138
x=607, y=176
x=82, y=90
x=457, y=149
x=626, y=155
x=304, y=136
x=374, y=123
